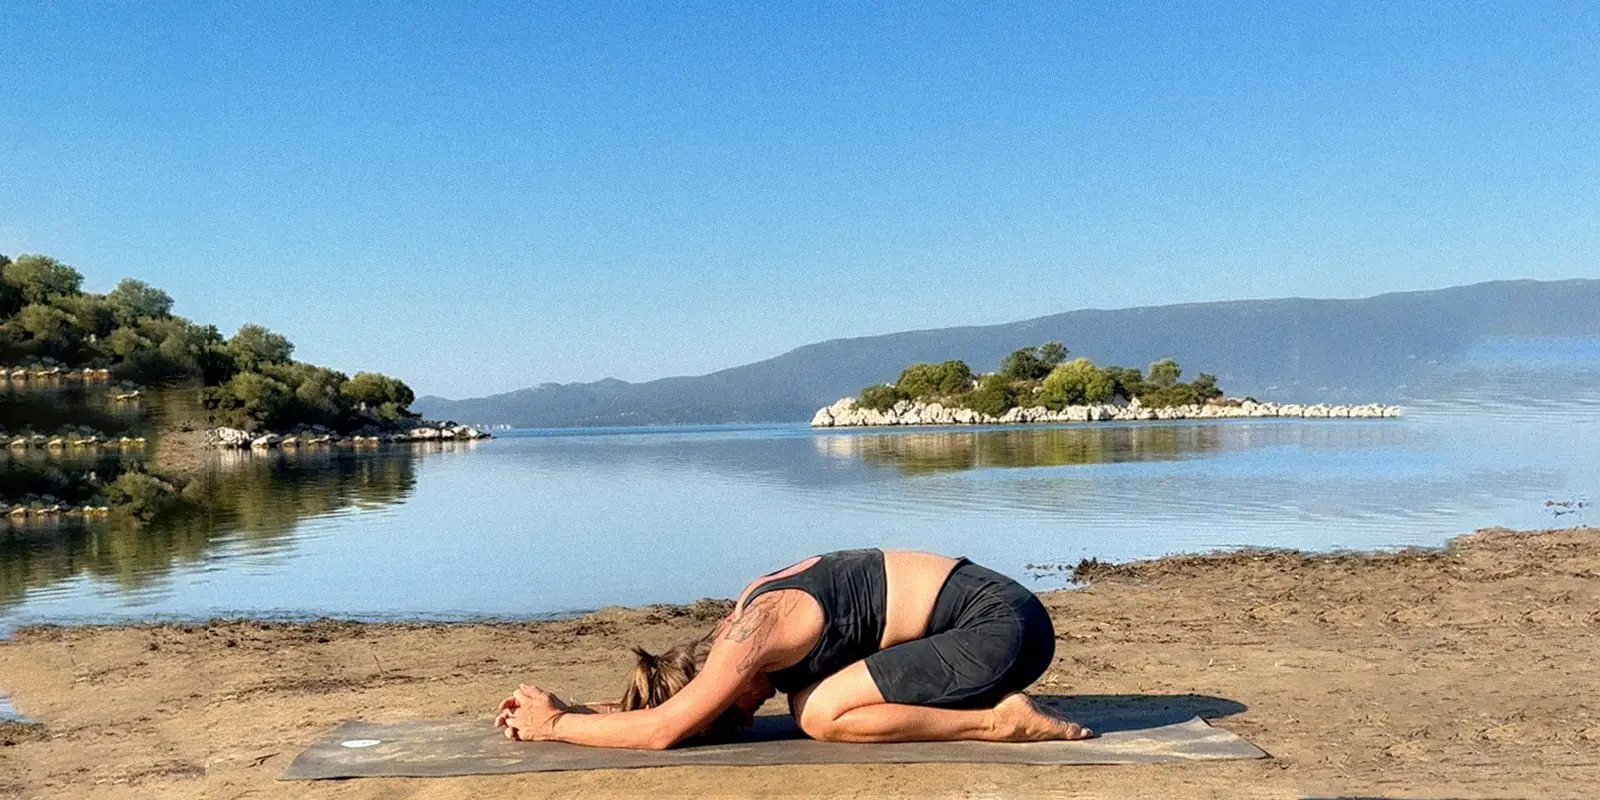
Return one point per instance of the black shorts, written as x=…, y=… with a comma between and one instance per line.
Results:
x=987, y=637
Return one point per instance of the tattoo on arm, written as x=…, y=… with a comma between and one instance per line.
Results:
x=754, y=626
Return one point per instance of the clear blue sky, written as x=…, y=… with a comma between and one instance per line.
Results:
x=478, y=198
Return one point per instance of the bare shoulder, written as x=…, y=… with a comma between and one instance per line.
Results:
x=782, y=573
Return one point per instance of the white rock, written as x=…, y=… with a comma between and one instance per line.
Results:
x=232, y=437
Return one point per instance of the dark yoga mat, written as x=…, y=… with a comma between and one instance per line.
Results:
x=472, y=747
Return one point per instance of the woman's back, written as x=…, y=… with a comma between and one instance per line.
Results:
x=847, y=605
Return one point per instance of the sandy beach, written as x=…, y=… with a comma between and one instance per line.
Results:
x=1469, y=671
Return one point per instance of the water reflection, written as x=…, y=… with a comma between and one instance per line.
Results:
x=254, y=500
x=959, y=450
x=950, y=451
x=50, y=407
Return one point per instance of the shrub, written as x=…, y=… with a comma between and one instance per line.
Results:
x=250, y=401
x=1181, y=394
x=935, y=380
x=1165, y=373
x=37, y=279
x=254, y=346
x=1076, y=383
x=1032, y=363
x=881, y=397
x=994, y=396
x=1126, y=381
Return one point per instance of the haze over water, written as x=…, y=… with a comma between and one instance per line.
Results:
x=555, y=521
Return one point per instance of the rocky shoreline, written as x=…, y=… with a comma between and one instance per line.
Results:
x=848, y=414
x=317, y=436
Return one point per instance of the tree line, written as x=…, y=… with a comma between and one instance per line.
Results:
x=1041, y=375
x=250, y=379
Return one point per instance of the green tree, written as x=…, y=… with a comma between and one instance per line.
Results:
x=881, y=397
x=317, y=391
x=1023, y=365
x=10, y=296
x=1205, y=387
x=994, y=396
x=1165, y=373
x=251, y=401
x=1128, y=382
x=132, y=300
x=1032, y=363
x=1077, y=382
x=935, y=380
x=45, y=329
x=89, y=313
x=254, y=346
x=124, y=343
x=39, y=278
x=379, y=395
x=215, y=360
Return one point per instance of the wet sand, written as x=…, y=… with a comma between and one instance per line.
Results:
x=1464, y=672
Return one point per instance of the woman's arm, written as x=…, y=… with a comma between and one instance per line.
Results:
x=741, y=650
x=595, y=708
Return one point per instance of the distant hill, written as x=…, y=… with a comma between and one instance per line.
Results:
x=1291, y=349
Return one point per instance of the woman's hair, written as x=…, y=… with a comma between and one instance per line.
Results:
x=656, y=678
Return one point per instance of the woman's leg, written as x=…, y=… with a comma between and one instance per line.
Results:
x=848, y=707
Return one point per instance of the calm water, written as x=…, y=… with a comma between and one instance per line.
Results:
x=541, y=522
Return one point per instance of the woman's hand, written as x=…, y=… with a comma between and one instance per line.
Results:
x=530, y=714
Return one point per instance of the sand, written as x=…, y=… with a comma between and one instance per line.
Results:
x=1464, y=672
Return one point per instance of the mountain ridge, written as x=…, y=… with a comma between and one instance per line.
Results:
x=1315, y=349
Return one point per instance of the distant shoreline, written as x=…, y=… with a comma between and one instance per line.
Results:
x=847, y=413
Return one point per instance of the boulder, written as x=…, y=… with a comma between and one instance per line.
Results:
x=265, y=441
x=230, y=437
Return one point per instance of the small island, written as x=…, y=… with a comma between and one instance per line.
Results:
x=1039, y=385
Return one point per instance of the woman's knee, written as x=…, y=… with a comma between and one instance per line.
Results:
x=815, y=715
x=819, y=727
x=818, y=708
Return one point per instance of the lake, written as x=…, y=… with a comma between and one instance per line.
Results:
x=546, y=522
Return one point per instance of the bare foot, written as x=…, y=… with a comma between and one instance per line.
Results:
x=1019, y=719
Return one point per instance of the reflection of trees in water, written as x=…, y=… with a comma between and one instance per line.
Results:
x=73, y=474
x=48, y=408
x=254, y=499
x=950, y=451
x=72, y=477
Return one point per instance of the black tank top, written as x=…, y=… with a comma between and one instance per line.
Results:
x=852, y=589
